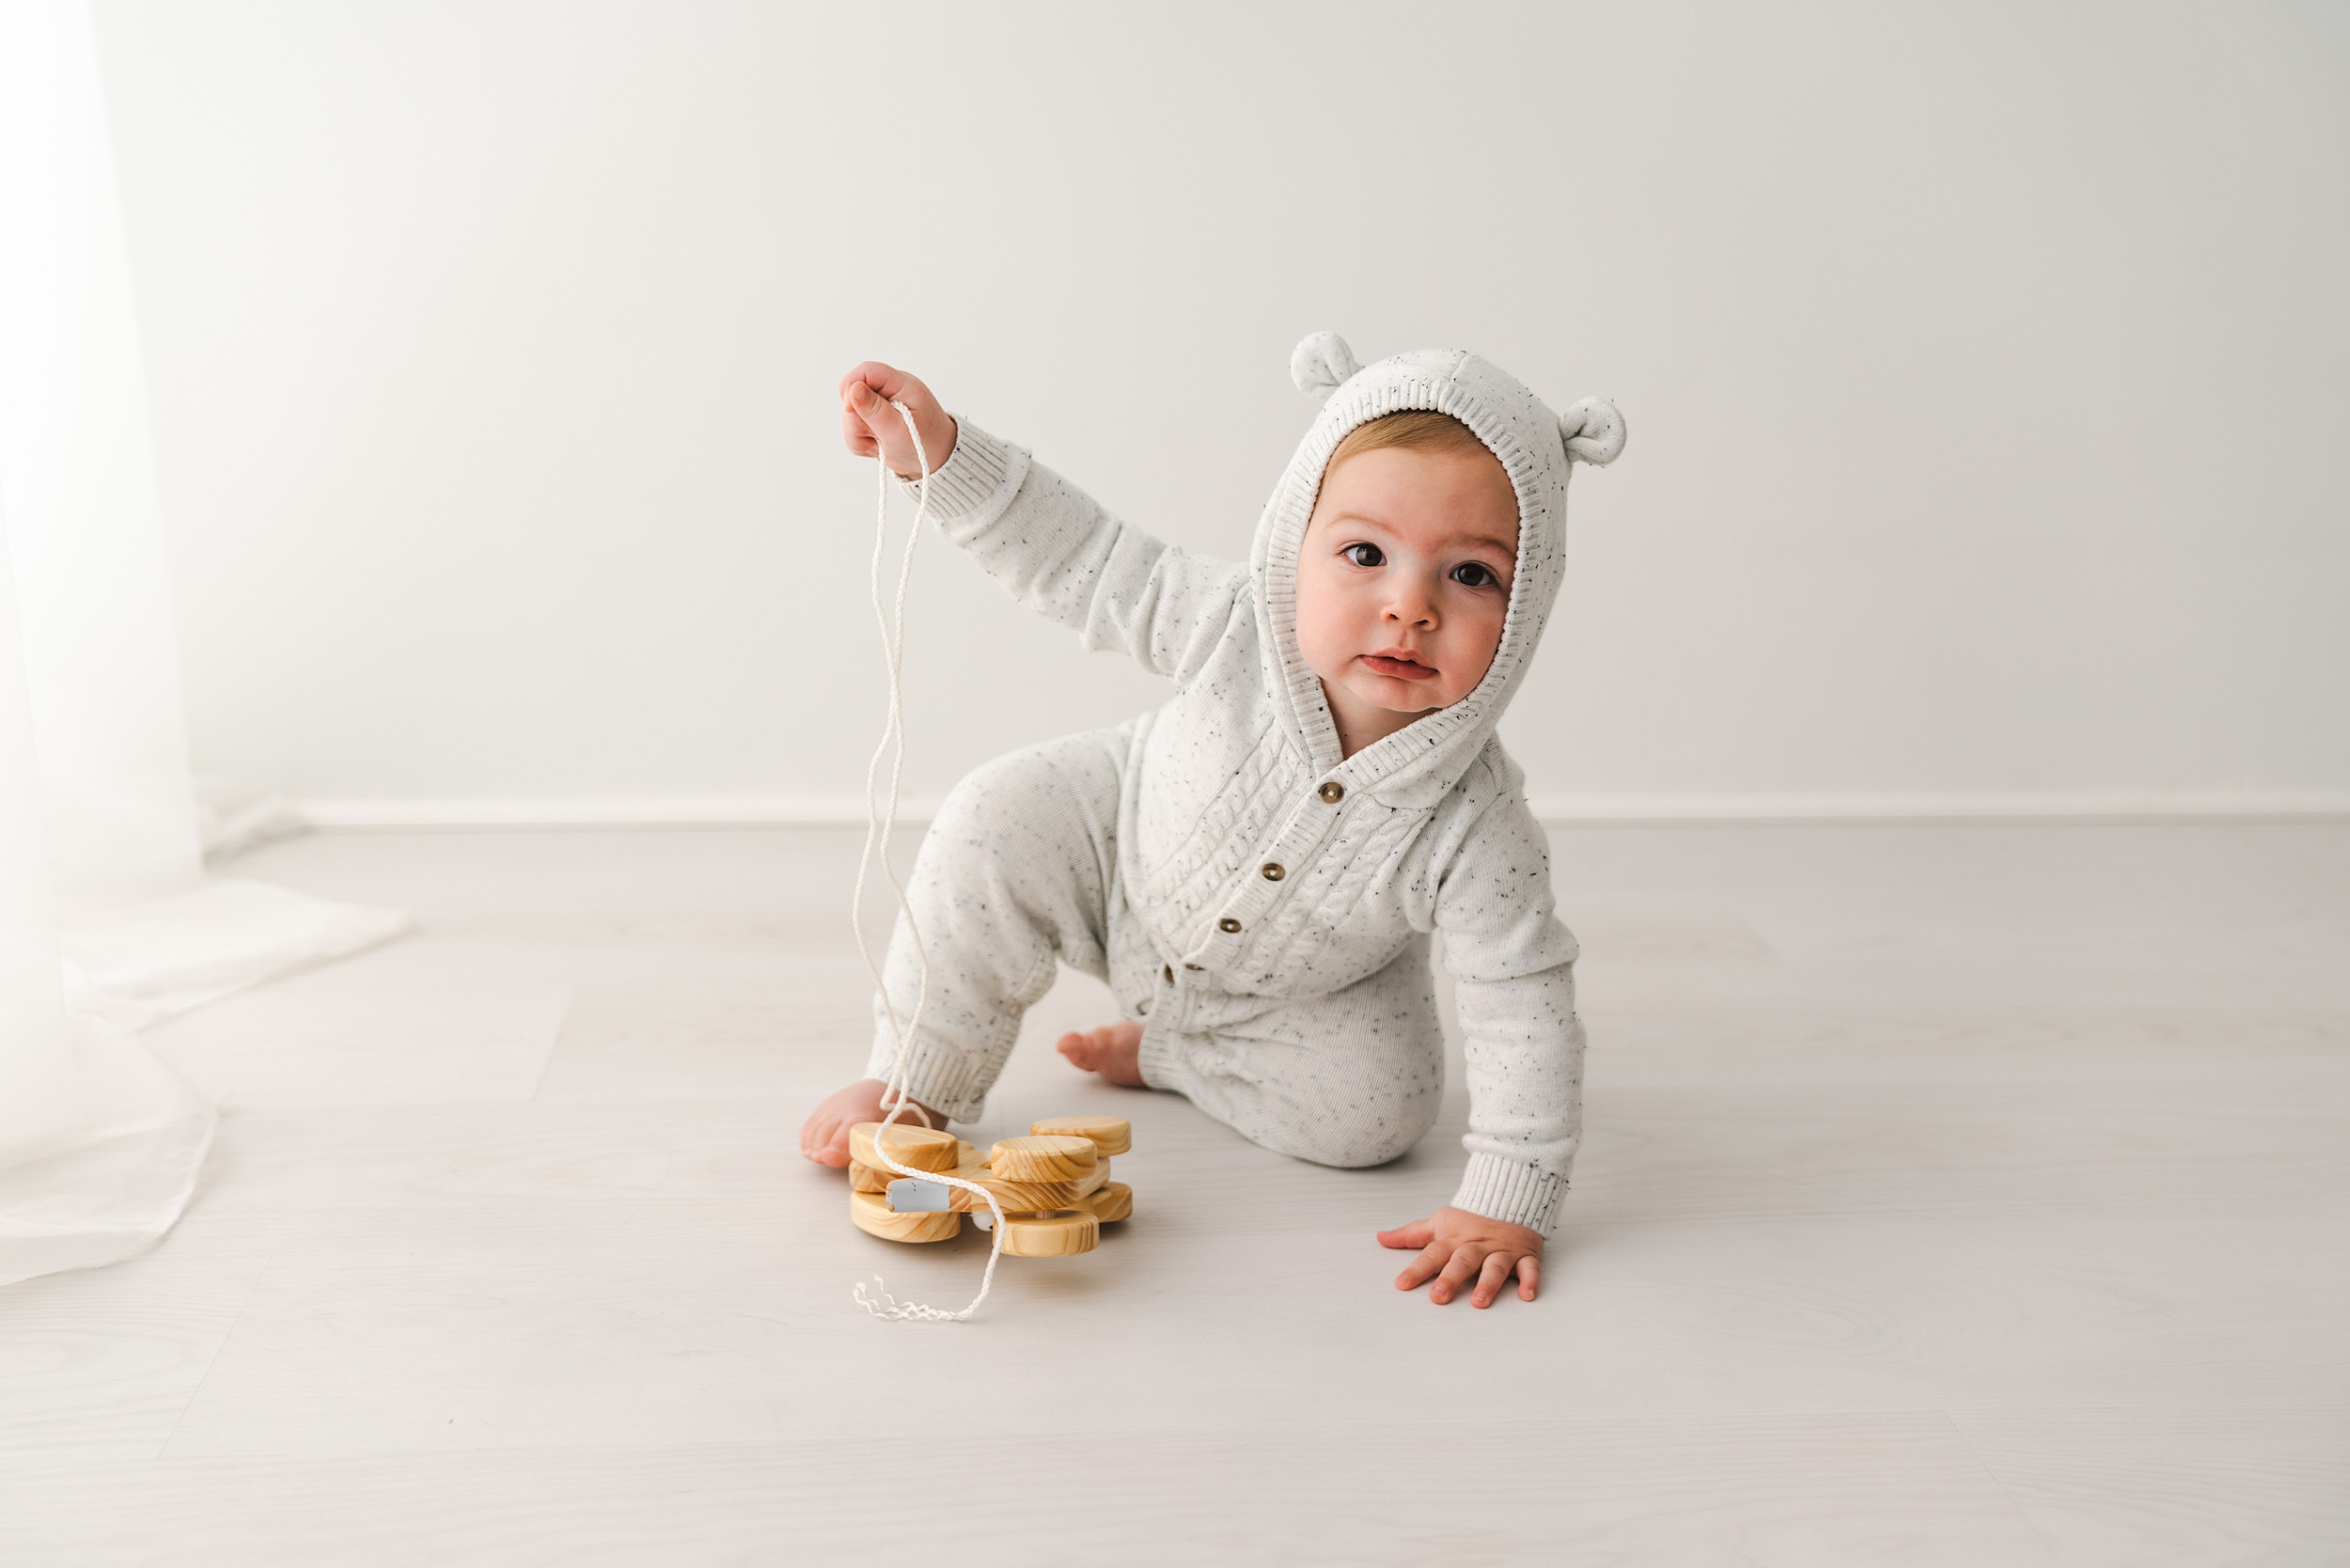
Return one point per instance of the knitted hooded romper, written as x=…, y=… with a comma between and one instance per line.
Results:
x=1261, y=904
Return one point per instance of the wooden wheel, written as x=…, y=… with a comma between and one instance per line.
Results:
x=1064, y=1233
x=874, y=1216
x=1044, y=1159
x=919, y=1147
x=1111, y=1135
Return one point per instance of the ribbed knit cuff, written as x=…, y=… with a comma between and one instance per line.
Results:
x=937, y=1075
x=1157, y=1061
x=979, y=478
x=1511, y=1191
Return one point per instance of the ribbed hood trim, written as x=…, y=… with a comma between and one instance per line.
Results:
x=1418, y=765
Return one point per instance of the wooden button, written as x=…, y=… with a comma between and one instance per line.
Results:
x=1332, y=791
x=1228, y=926
x=1167, y=973
x=1271, y=871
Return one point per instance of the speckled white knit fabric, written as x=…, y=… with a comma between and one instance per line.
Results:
x=1264, y=905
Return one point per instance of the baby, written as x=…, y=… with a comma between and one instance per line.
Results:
x=1256, y=869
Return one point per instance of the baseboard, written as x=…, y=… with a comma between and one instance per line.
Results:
x=1953, y=807
x=492, y=811
x=585, y=811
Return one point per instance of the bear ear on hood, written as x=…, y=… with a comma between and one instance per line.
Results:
x=1321, y=363
x=1593, y=429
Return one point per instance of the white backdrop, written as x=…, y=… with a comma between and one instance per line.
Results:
x=1985, y=365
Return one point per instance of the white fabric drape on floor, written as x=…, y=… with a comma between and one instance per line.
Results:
x=99, y=1142
x=106, y=920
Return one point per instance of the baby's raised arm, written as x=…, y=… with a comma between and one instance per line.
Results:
x=1051, y=547
x=869, y=424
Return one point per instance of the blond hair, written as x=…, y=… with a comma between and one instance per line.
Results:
x=1418, y=429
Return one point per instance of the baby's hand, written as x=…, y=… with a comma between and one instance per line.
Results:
x=825, y=1136
x=1456, y=1246
x=869, y=424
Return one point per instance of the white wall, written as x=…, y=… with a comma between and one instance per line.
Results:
x=1986, y=368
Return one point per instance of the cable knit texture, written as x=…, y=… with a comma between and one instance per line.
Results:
x=1263, y=904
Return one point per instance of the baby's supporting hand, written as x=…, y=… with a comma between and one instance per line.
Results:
x=869, y=424
x=1456, y=1246
x=825, y=1136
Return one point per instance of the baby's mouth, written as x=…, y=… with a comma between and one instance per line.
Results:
x=1400, y=668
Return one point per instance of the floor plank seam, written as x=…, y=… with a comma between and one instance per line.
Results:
x=2056, y=1548
x=554, y=1043
x=163, y=1449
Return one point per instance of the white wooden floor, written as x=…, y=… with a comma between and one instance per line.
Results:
x=1967, y=1196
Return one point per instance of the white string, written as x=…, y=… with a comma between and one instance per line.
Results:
x=879, y=825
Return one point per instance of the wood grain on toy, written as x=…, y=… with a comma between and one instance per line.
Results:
x=873, y=1215
x=1023, y=1196
x=1044, y=1159
x=1110, y=1134
x=1016, y=1197
x=917, y=1148
x=1061, y=1234
x=864, y=1178
x=1113, y=1203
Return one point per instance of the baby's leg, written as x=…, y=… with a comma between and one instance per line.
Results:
x=1352, y=1078
x=1013, y=876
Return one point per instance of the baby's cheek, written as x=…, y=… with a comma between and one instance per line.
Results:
x=1321, y=631
x=1484, y=642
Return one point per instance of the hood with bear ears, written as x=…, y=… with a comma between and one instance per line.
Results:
x=1418, y=765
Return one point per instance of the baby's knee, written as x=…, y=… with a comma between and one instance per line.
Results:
x=989, y=796
x=1369, y=1134
x=1353, y=1120
x=1060, y=784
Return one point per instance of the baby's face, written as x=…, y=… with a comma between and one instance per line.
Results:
x=1403, y=584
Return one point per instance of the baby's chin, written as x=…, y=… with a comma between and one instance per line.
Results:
x=1394, y=694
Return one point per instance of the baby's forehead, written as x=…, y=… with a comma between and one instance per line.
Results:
x=1431, y=499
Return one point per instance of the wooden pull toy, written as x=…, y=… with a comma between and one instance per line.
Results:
x=1054, y=1185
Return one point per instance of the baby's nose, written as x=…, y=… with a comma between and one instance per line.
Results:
x=1412, y=609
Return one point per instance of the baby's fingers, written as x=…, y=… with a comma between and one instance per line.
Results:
x=885, y=380
x=1490, y=1279
x=1529, y=1272
x=857, y=433
x=1456, y=1273
x=1418, y=1271
x=1419, y=1233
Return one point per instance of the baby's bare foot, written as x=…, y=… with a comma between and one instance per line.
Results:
x=1114, y=1050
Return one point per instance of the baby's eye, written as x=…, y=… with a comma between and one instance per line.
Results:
x=1364, y=554
x=1474, y=574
